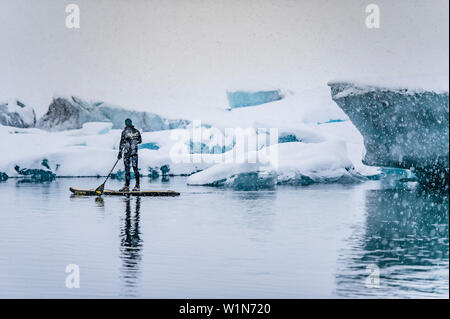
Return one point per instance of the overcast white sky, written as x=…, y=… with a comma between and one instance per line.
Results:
x=179, y=56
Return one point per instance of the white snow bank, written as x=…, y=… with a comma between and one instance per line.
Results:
x=89, y=151
x=292, y=112
x=92, y=150
x=96, y=128
x=297, y=163
x=324, y=151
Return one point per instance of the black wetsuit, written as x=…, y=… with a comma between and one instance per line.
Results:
x=129, y=141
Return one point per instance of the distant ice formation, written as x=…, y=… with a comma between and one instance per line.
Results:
x=64, y=114
x=250, y=98
x=17, y=114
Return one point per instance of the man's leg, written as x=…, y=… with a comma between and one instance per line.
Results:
x=126, y=164
x=134, y=162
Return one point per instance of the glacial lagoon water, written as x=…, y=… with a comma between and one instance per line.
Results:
x=371, y=240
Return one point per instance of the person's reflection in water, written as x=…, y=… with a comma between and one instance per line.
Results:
x=130, y=248
x=406, y=235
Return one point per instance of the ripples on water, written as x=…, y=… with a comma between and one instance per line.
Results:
x=292, y=242
x=406, y=235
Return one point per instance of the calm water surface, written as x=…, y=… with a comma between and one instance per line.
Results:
x=316, y=241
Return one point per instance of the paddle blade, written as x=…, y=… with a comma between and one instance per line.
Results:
x=99, y=190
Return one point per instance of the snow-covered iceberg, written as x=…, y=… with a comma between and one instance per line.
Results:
x=64, y=114
x=36, y=174
x=89, y=151
x=17, y=114
x=312, y=106
x=293, y=163
x=402, y=128
x=316, y=141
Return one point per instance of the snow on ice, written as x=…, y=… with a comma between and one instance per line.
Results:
x=316, y=142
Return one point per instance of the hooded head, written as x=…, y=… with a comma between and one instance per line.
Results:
x=128, y=122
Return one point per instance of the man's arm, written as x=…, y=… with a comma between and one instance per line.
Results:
x=122, y=140
x=139, y=137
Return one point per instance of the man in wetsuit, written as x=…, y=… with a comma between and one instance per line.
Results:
x=129, y=141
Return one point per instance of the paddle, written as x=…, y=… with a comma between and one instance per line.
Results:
x=99, y=190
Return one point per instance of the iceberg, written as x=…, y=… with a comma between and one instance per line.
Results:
x=250, y=98
x=17, y=114
x=40, y=175
x=88, y=151
x=294, y=110
x=80, y=138
x=402, y=128
x=3, y=177
x=297, y=163
x=153, y=172
x=288, y=137
x=246, y=175
x=65, y=114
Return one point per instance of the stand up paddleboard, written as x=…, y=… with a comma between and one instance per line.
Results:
x=92, y=192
